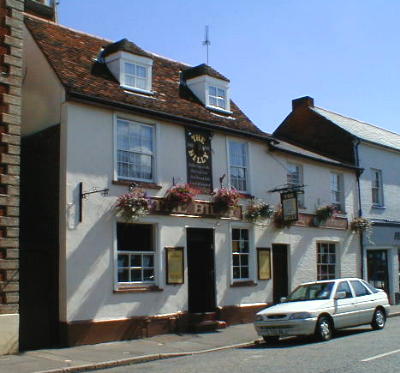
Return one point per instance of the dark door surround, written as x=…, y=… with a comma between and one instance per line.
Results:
x=378, y=269
x=201, y=270
x=280, y=277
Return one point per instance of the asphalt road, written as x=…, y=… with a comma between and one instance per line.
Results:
x=357, y=350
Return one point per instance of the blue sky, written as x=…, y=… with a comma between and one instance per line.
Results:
x=344, y=53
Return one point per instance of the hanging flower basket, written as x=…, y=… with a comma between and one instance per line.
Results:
x=225, y=199
x=179, y=195
x=279, y=222
x=132, y=205
x=258, y=210
x=360, y=225
x=323, y=213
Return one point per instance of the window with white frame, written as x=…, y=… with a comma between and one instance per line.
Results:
x=326, y=260
x=295, y=178
x=136, y=76
x=135, y=251
x=135, y=150
x=377, y=188
x=217, y=97
x=238, y=165
x=240, y=254
x=337, y=191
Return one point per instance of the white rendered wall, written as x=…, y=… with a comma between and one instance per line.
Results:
x=42, y=98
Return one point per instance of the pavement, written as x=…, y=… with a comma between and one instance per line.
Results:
x=107, y=355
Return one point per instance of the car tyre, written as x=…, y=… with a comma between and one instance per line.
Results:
x=378, y=320
x=271, y=340
x=324, y=329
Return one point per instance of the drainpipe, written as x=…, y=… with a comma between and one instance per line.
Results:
x=356, y=143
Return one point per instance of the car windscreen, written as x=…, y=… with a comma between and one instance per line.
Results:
x=321, y=290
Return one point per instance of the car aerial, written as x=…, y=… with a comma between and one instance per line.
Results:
x=321, y=307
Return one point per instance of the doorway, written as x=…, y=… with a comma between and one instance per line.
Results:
x=378, y=272
x=280, y=272
x=201, y=270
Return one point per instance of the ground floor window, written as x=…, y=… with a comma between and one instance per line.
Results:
x=326, y=261
x=240, y=254
x=135, y=245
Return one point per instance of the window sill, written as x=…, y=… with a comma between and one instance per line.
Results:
x=137, y=90
x=219, y=110
x=140, y=184
x=378, y=207
x=245, y=195
x=239, y=284
x=137, y=289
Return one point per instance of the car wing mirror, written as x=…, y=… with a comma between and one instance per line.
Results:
x=283, y=299
x=340, y=295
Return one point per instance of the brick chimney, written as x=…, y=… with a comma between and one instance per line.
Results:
x=46, y=9
x=302, y=102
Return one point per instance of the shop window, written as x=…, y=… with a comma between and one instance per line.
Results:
x=135, y=245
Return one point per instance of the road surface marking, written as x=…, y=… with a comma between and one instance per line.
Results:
x=381, y=355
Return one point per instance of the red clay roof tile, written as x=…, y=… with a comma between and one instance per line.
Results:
x=73, y=56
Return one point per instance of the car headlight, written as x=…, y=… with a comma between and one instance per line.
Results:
x=259, y=318
x=300, y=315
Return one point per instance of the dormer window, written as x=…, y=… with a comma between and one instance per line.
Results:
x=217, y=97
x=135, y=76
x=130, y=65
x=209, y=86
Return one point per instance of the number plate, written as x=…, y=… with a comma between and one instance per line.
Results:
x=274, y=331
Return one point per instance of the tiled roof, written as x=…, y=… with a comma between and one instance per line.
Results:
x=362, y=130
x=299, y=151
x=203, y=69
x=126, y=46
x=73, y=57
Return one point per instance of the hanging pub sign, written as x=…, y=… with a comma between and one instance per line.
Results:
x=198, y=155
x=289, y=206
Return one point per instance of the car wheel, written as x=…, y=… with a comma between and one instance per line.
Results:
x=378, y=320
x=271, y=340
x=324, y=329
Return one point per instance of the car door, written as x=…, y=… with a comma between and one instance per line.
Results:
x=364, y=302
x=345, y=311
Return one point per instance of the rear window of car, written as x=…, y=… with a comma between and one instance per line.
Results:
x=370, y=287
x=359, y=289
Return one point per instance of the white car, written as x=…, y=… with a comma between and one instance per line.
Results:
x=319, y=308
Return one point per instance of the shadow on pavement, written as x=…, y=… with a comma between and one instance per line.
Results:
x=292, y=342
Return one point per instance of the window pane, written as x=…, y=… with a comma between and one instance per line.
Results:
x=235, y=260
x=244, y=260
x=136, y=275
x=148, y=275
x=236, y=272
x=129, y=68
x=123, y=260
x=212, y=91
x=123, y=275
x=245, y=272
x=135, y=237
x=136, y=260
x=140, y=71
x=236, y=234
x=148, y=261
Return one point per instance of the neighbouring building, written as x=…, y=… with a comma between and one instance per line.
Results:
x=376, y=152
x=101, y=118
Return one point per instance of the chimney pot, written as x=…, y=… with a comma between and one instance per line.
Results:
x=304, y=102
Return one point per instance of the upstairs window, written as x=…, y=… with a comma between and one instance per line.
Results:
x=135, y=150
x=295, y=178
x=377, y=188
x=135, y=76
x=238, y=165
x=217, y=97
x=337, y=191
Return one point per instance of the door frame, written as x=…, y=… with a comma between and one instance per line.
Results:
x=214, y=281
x=288, y=266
